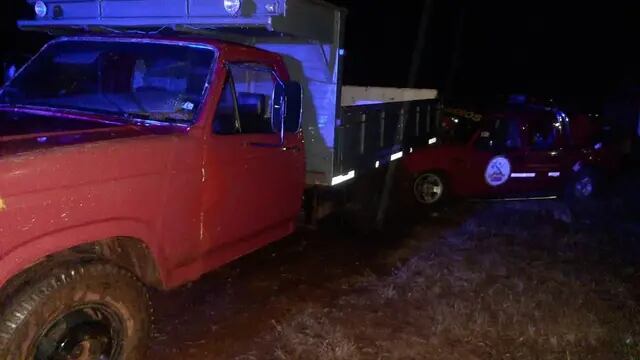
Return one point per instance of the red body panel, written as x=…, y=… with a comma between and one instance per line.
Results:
x=196, y=200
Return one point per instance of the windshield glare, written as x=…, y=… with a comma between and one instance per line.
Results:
x=155, y=81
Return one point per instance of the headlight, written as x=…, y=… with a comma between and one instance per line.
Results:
x=232, y=6
x=41, y=8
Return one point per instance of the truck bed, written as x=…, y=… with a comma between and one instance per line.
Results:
x=372, y=135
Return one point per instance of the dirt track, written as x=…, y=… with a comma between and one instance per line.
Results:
x=479, y=281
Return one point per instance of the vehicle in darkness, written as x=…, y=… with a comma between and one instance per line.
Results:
x=623, y=111
x=517, y=151
x=151, y=144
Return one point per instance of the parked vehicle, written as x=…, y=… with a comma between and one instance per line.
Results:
x=154, y=149
x=521, y=151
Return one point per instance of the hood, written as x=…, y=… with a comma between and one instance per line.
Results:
x=23, y=130
x=15, y=122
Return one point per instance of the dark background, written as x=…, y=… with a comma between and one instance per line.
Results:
x=579, y=52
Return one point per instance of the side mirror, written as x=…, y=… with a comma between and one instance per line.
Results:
x=287, y=107
x=293, y=115
x=278, y=108
x=10, y=71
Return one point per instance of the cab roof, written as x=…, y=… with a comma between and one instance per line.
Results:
x=226, y=49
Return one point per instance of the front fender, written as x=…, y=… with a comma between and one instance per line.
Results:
x=37, y=249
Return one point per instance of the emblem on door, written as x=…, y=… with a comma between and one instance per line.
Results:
x=498, y=171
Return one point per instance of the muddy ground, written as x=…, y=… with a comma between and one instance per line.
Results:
x=517, y=280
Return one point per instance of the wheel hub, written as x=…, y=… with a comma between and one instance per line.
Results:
x=90, y=333
x=91, y=349
x=429, y=188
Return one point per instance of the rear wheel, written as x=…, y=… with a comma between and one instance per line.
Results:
x=429, y=188
x=584, y=186
x=89, y=311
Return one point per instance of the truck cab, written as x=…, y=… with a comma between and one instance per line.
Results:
x=519, y=151
x=192, y=126
x=150, y=139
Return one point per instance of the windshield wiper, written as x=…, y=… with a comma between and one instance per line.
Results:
x=160, y=118
x=129, y=116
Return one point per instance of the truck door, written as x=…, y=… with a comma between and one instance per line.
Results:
x=254, y=173
x=495, y=154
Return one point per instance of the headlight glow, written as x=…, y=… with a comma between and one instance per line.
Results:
x=41, y=8
x=232, y=6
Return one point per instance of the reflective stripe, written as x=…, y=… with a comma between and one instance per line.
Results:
x=397, y=156
x=523, y=175
x=554, y=174
x=342, y=178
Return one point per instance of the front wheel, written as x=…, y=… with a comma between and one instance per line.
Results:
x=429, y=188
x=584, y=185
x=87, y=311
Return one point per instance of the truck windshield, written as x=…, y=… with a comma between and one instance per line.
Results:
x=141, y=80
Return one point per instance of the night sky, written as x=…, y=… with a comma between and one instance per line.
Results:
x=577, y=52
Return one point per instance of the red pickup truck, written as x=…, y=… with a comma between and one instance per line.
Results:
x=520, y=151
x=132, y=158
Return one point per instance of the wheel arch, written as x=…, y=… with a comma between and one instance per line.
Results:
x=129, y=253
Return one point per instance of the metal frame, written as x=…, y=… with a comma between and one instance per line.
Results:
x=371, y=136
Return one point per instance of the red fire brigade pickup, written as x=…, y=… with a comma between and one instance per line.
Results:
x=157, y=140
x=521, y=151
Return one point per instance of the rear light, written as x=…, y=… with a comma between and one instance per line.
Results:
x=40, y=8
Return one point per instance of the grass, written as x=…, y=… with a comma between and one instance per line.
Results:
x=310, y=336
x=513, y=281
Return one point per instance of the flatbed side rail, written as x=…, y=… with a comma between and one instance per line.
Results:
x=372, y=135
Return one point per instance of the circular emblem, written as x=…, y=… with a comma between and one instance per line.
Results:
x=498, y=171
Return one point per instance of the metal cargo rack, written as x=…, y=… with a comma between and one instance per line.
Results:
x=370, y=136
x=285, y=17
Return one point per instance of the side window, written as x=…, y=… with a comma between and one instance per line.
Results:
x=226, y=119
x=512, y=135
x=501, y=134
x=544, y=133
x=254, y=88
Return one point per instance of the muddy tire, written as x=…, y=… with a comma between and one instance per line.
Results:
x=430, y=189
x=86, y=311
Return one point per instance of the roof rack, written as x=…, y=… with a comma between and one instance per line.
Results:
x=297, y=18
